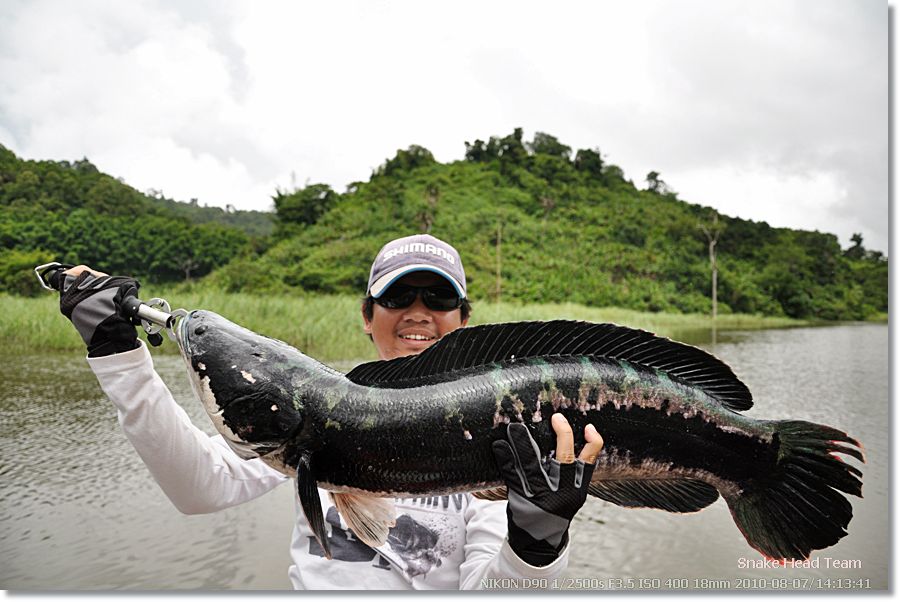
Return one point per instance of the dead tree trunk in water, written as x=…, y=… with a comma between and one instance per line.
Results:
x=499, y=225
x=712, y=232
x=715, y=275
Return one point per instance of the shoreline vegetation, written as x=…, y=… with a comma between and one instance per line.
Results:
x=537, y=222
x=329, y=328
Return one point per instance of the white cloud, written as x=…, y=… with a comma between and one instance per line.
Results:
x=804, y=201
x=223, y=101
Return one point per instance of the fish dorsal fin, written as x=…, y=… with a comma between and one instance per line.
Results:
x=480, y=346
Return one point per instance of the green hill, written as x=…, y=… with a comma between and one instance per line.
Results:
x=562, y=228
x=255, y=224
x=534, y=222
x=73, y=213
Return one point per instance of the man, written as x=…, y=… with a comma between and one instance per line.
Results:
x=416, y=295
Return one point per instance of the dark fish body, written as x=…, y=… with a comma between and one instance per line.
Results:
x=424, y=425
x=436, y=438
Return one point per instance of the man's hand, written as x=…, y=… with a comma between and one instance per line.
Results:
x=91, y=299
x=543, y=500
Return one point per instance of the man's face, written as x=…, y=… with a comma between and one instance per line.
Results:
x=399, y=332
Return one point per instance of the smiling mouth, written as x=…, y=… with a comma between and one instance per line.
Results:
x=416, y=337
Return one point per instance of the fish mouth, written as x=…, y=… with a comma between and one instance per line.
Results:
x=182, y=334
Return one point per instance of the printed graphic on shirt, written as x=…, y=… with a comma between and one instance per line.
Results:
x=414, y=546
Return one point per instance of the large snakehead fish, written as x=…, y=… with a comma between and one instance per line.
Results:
x=669, y=414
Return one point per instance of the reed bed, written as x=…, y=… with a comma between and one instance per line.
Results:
x=329, y=327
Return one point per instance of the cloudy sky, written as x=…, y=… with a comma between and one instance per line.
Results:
x=772, y=110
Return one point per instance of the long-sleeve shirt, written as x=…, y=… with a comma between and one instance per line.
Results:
x=445, y=542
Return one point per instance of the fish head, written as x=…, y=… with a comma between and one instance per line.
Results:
x=244, y=380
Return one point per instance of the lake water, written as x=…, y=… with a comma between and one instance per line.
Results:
x=78, y=509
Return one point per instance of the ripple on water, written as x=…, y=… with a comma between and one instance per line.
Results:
x=78, y=509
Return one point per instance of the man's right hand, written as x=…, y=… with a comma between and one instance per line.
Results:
x=544, y=498
x=91, y=300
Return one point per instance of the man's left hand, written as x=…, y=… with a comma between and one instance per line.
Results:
x=91, y=300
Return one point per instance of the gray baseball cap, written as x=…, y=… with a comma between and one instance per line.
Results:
x=417, y=253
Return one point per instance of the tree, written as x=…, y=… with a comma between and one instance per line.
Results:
x=712, y=231
x=190, y=251
x=17, y=271
x=554, y=170
x=613, y=172
x=109, y=197
x=548, y=203
x=511, y=150
x=546, y=144
x=26, y=186
x=476, y=152
x=857, y=251
x=497, y=242
x=427, y=214
x=304, y=206
x=654, y=183
x=590, y=162
x=407, y=160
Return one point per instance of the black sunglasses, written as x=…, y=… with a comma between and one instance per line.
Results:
x=435, y=297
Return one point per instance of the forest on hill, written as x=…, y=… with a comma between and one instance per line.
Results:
x=533, y=220
x=72, y=213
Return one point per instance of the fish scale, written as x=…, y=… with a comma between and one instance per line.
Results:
x=669, y=414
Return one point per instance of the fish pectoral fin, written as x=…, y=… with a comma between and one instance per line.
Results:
x=368, y=517
x=671, y=495
x=308, y=492
x=497, y=494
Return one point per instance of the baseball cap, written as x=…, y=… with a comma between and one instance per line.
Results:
x=417, y=253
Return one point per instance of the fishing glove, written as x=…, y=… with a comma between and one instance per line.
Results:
x=543, y=499
x=92, y=304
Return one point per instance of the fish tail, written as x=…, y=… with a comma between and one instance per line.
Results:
x=797, y=507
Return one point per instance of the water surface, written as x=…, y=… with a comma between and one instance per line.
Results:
x=78, y=509
x=832, y=375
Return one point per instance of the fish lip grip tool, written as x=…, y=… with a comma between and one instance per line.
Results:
x=154, y=315
x=49, y=274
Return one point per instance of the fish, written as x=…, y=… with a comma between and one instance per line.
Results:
x=671, y=416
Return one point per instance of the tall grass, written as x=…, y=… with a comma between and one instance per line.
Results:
x=325, y=326
x=329, y=327
x=665, y=324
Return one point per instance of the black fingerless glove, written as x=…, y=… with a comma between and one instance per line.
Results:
x=92, y=304
x=542, y=500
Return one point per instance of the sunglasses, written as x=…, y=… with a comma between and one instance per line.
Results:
x=436, y=297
